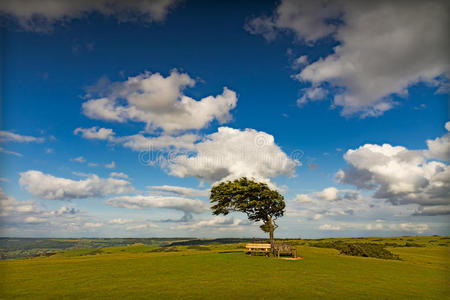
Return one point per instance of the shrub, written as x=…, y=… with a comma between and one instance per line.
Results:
x=392, y=245
x=367, y=250
x=413, y=245
x=164, y=249
x=359, y=249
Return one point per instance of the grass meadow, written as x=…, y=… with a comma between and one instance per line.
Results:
x=223, y=271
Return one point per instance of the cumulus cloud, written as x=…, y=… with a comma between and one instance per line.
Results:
x=439, y=148
x=159, y=102
x=181, y=191
x=42, y=15
x=185, y=205
x=95, y=133
x=328, y=194
x=400, y=228
x=35, y=220
x=329, y=227
x=227, y=154
x=147, y=225
x=432, y=210
x=64, y=210
x=118, y=174
x=351, y=206
x=7, y=136
x=120, y=221
x=217, y=222
x=312, y=94
x=140, y=142
x=9, y=205
x=93, y=225
x=418, y=228
x=303, y=198
x=17, y=213
x=384, y=48
x=397, y=174
x=232, y=153
x=49, y=187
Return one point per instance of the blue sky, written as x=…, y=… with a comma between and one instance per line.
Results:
x=309, y=111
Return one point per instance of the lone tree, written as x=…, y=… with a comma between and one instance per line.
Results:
x=255, y=199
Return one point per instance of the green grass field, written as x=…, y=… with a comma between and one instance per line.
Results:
x=223, y=271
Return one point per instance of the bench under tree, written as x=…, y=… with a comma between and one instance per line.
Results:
x=258, y=248
x=266, y=249
x=284, y=249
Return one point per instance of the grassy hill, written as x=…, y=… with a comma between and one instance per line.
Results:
x=222, y=271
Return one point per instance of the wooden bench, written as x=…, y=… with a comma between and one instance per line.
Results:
x=258, y=248
x=285, y=249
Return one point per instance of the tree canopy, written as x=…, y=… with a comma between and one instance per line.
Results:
x=255, y=199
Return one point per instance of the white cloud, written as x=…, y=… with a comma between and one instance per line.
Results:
x=29, y=215
x=118, y=174
x=120, y=221
x=328, y=194
x=384, y=47
x=139, y=142
x=64, y=210
x=317, y=217
x=142, y=226
x=398, y=175
x=217, y=222
x=2, y=150
x=95, y=133
x=159, y=102
x=312, y=94
x=401, y=227
x=79, y=159
x=302, y=60
x=329, y=227
x=35, y=220
x=439, y=148
x=7, y=136
x=305, y=18
x=111, y=165
x=10, y=206
x=186, y=205
x=42, y=15
x=345, y=206
x=93, y=225
x=232, y=153
x=303, y=198
x=418, y=228
x=50, y=187
x=182, y=191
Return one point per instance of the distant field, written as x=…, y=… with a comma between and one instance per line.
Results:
x=205, y=270
x=11, y=248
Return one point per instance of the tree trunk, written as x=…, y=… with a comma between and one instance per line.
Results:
x=272, y=240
